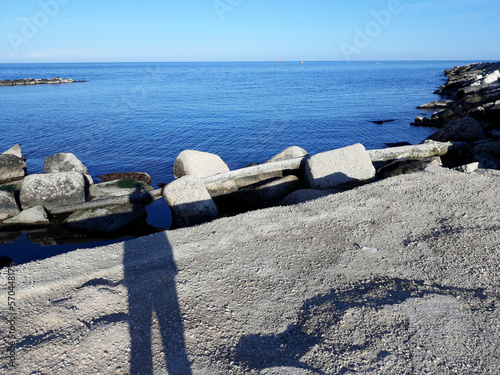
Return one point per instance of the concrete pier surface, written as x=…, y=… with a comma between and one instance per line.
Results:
x=398, y=276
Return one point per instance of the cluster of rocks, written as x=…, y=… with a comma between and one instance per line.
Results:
x=36, y=81
x=470, y=113
x=32, y=201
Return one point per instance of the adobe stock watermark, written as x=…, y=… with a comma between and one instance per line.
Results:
x=363, y=36
x=31, y=26
x=223, y=6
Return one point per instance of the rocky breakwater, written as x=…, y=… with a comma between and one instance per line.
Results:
x=206, y=189
x=65, y=196
x=36, y=81
x=469, y=113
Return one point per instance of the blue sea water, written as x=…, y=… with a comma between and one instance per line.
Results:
x=140, y=116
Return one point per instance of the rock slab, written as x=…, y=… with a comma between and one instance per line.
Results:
x=105, y=219
x=12, y=168
x=8, y=205
x=66, y=162
x=52, y=189
x=463, y=129
x=32, y=217
x=338, y=168
x=189, y=201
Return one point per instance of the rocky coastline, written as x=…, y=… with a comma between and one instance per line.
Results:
x=37, y=81
x=467, y=139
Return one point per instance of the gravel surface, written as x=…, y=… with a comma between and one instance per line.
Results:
x=282, y=290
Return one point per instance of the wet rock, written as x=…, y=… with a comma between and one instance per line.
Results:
x=118, y=187
x=105, y=219
x=66, y=162
x=203, y=164
x=463, y=129
x=189, y=201
x=138, y=176
x=52, y=189
x=336, y=168
x=8, y=205
x=32, y=217
x=12, y=168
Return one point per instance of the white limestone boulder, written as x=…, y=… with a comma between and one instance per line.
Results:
x=339, y=168
x=189, y=201
x=52, y=189
x=203, y=164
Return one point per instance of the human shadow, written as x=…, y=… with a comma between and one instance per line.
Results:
x=149, y=274
x=287, y=348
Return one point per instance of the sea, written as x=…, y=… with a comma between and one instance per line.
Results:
x=137, y=117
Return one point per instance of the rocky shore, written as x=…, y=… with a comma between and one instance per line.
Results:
x=36, y=81
x=346, y=270
x=467, y=138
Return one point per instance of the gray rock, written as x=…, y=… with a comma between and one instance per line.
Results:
x=189, y=201
x=105, y=219
x=16, y=151
x=32, y=217
x=464, y=129
x=337, y=168
x=52, y=189
x=305, y=195
x=118, y=187
x=8, y=205
x=203, y=164
x=468, y=168
x=444, y=116
x=12, y=186
x=399, y=167
x=12, y=168
x=277, y=189
x=289, y=153
x=66, y=162
x=436, y=104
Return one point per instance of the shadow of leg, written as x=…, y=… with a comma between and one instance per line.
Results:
x=152, y=288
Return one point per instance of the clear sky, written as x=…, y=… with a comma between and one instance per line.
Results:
x=248, y=30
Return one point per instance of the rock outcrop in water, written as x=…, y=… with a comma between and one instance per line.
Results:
x=36, y=81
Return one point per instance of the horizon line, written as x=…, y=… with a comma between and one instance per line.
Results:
x=246, y=61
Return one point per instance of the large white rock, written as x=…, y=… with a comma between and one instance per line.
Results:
x=189, y=201
x=66, y=162
x=8, y=205
x=203, y=164
x=492, y=77
x=35, y=216
x=337, y=168
x=52, y=189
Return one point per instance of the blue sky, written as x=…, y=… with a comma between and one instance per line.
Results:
x=248, y=30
